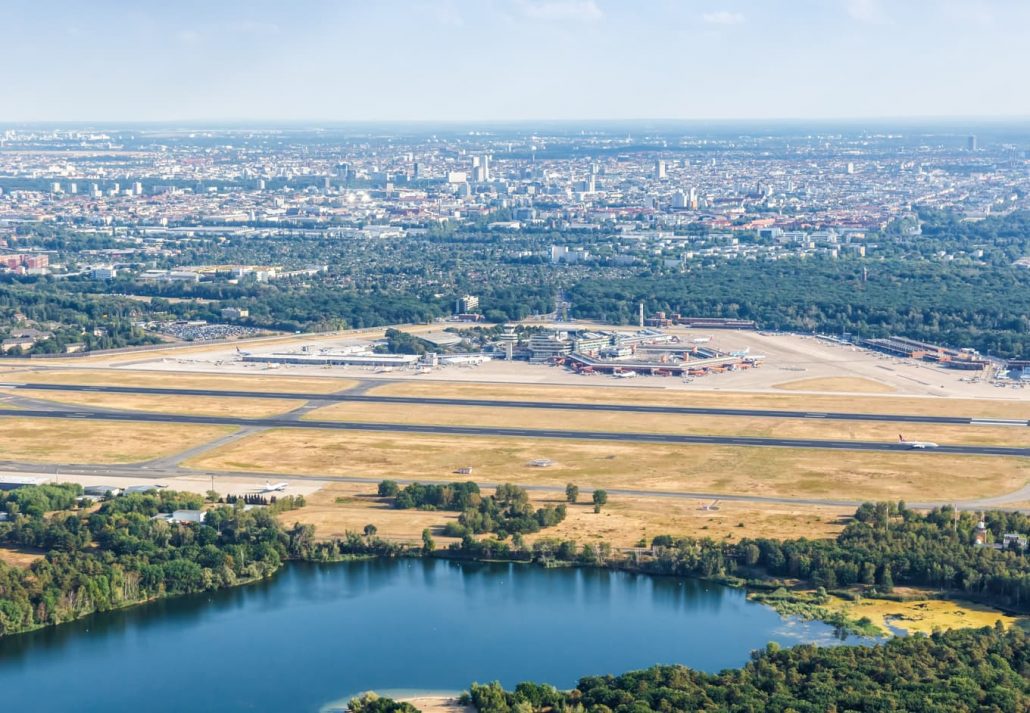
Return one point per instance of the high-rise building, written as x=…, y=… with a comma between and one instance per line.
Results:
x=659, y=170
x=971, y=142
x=481, y=169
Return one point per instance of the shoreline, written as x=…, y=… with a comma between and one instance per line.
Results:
x=434, y=702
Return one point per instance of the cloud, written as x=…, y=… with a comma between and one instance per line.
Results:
x=866, y=11
x=723, y=17
x=561, y=10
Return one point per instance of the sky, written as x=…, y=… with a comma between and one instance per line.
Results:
x=495, y=60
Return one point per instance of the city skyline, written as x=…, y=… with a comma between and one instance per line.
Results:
x=515, y=60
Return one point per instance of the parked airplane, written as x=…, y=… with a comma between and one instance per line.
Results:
x=916, y=444
x=272, y=487
x=701, y=340
x=624, y=374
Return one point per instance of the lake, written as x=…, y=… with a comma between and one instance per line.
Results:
x=316, y=634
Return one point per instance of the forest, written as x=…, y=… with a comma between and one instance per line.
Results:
x=942, y=279
x=120, y=555
x=984, y=308
x=95, y=323
x=959, y=671
x=885, y=545
x=506, y=512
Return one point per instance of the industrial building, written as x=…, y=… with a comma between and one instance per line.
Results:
x=913, y=349
x=13, y=482
x=365, y=360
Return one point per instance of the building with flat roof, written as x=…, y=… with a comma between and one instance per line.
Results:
x=13, y=482
x=368, y=360
x=544, y=347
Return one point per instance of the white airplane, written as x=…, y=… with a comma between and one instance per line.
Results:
x=916, y=444
x=273, y=487
x=624, y=374
x=701, y=340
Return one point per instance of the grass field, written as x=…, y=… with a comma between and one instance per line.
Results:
x=347, y=507
x=79, y=441
x=20, y=557
x=194, y=405
x=843, y=384
x=929, y=405
x=180, y=380
x=613, y=421
x=628, y=520
x=341, y=507
x=785, y=472
x=922, y=616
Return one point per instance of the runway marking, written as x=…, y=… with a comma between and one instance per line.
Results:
x=345, y=397
x=998, y=422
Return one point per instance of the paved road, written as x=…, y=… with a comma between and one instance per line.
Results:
x=547, y=433
x=357, y=397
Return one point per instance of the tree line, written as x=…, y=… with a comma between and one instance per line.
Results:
x=121, y=555
x=507, y=512
x=959, y=671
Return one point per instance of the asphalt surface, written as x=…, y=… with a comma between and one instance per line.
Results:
x=545, y=405
x=139, y=416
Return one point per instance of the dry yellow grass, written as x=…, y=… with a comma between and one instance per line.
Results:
x=339, y=508
x=843, y=384
x=628, y=520
x=21, y=557
x=922, y=616
x=928, y=405
x=616, y=422
x=192, y=405
x=180, y=380
x=785, y=472
x=79, y=441
x=437, y=704
x=348, y=507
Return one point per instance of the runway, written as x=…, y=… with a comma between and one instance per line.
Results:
x=345, y=397
x=661, y=438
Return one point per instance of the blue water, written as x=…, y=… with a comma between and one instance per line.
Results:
x=316, y=634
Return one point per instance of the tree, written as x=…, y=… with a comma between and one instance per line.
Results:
x=370, y=531
x=600, y=498
x=428, y=545
x=887, y=579
x=388, y=488
x=571, y=492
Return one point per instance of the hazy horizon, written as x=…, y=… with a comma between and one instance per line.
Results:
x=479, y=61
